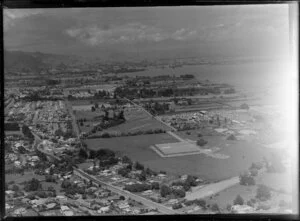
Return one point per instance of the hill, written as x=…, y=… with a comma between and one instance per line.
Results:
x=37, y=61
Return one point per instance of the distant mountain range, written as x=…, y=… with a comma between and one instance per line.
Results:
x=37, y=61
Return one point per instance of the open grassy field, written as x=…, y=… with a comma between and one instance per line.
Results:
x=241, y=153
x=137, y=120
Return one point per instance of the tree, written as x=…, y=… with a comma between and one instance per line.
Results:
x=246, y=179
x=126, y=159
x=201, y=142
x=238, y=200
x=33, y=185
x=52, y=189
x=190, y=180
x=231, y=137
x=215, y=208
x=143, y=176
x=122, y=198
x=228, y=207
x=244, y=106
x=66, y=184
x=177, y=206
x=59, y=133
x=165, y=190
x=263, y=193
x=155, y=186
x=93, y=109
x=27, y=132
x=15, y=188
x=179, y=193
x=138, y=166
x=82, y=153
x=253, y=172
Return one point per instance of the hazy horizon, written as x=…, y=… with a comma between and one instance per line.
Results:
x=151, y=32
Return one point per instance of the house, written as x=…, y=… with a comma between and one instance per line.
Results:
x=161, y=175
x=51, y=205
x=64, y=208
x=84, y=203
x=173, y=201
x=242, y=209
x=19, y=211
x=147, y=192
x=17, y=164
x=104, y=209
x=184, y=177
x=123, y=205
x=68, y=213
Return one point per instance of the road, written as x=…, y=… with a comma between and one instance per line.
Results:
x=163, y=209
x=213, y=188
x=36, y=144
x=176, y=136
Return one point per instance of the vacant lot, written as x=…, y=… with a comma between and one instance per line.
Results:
x=227, y=196
x=242, y=154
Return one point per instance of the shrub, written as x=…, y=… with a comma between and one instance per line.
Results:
x=238, y=200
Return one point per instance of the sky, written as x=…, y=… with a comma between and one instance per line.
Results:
x=151, y=32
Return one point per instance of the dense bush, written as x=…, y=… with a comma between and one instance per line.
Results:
x=263, y=193
x=165, y=190
x=177, y=206
x=124, y=171
x=246, y=179
x=155, y=186
x=138, y=166
x=238, y=200
x=33, y=185
x=137, y=187
x=179, y=193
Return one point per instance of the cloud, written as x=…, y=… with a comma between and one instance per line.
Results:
x=12, y=15
x=131, y=32
x=183, y=34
